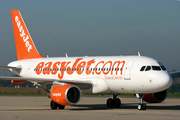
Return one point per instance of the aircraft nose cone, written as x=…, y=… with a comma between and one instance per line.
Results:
x=165, y=80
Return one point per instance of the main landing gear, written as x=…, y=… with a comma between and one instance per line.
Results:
x=115, y=102
x=141, y=105
x=54, y=105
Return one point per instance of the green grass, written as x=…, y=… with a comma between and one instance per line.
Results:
x=173, y=95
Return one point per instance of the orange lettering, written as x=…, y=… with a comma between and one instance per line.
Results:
x=96, y=68
x=63, y=68
x=118, y=66
x=47, y=68
x=107, y=67
x=73, y=67
x=89, y=65
x=38, y=67
x=80, y=65
x=55, y=68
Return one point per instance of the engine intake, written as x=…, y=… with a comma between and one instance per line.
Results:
x=155, y=97
x=65, y=94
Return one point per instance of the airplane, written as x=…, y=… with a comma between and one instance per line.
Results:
x=66, y=78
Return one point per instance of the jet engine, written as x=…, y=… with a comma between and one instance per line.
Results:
x=65, y=94
x=155, y=97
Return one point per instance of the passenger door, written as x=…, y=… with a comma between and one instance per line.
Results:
x=127, y=71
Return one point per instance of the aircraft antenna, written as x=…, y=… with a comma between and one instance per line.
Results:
x=66, y=55
x=139, y=54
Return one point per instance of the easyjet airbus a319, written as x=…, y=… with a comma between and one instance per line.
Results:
x=65, y=78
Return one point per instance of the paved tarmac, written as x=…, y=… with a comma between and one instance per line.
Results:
x=89, y=108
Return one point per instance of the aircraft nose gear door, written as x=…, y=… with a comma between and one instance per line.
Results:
x=127, y=71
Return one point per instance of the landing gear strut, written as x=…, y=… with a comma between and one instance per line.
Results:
x=54, y=105
x=115, y=102
x=141, y=105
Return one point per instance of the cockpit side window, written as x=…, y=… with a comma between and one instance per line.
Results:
x=148, y=68
x=156, y=68
x=142, y=68
x=163, y=68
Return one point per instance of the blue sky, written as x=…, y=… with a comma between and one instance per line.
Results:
x=96, y=27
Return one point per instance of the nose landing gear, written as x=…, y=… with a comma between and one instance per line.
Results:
x=141, y=105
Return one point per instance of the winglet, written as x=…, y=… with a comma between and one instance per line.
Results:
x=25, y=47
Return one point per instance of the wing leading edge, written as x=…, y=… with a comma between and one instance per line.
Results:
x=80, y=83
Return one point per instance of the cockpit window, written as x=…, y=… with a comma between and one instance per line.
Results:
x=156, y=68
x=163, y=68
x=142, y=68
x=148, y=68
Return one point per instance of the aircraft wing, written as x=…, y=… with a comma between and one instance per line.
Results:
x=81, y=84
x=175, y=74
x=8, y=67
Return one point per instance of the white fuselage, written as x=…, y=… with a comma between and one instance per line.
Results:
x=120, y=74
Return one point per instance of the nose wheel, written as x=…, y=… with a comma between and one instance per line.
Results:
x=115, y=102
x=141, y=105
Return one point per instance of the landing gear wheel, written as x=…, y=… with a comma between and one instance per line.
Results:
x=61, y=106
x=53, y=105
x=142, y=106
x=117, y=103
x=110, y=103
x=139, y=106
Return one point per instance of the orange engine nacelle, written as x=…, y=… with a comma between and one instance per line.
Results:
x=155, y=97
x=65, y=94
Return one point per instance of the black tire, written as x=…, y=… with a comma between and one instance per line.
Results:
x=144, y=106
x=117, y=103
x=53, y=105
x=110, y=103
x=61, y=106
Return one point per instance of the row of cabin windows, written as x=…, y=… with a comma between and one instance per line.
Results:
x=156, y=68
x=77, y=69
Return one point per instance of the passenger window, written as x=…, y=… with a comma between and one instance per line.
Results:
x=148, y=68
x=142, y=68
x=156, y=68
